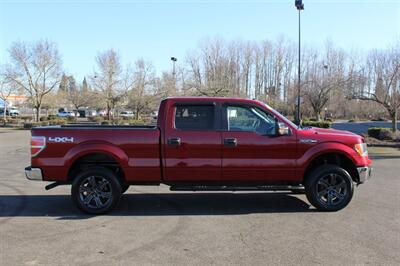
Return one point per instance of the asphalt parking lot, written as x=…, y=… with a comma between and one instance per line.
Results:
x=155, y=226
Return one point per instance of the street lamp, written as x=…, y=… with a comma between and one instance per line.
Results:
x=173, y=59
x=300, y=6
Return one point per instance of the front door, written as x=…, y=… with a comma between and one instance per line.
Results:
x=193, y=143
x=251, y=151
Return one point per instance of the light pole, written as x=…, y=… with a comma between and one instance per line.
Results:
x=173, y=59
x=300, y=6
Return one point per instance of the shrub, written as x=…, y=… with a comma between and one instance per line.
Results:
x=52, y=117
x=381, y=133
x=378, y=119
x=374, y=132
x=25, y=117
x=71, y=119
x=321, y=124
x=97, y=119
x=30, y=125
x=58, y=121
x=138, y=122
x=43, y=118
x=13, y=121
x=106, y=122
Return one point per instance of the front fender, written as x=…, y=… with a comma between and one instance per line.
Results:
x=325, y=148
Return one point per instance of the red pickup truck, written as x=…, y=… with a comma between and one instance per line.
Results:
x=201, y=144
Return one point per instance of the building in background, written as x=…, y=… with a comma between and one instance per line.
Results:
x=14, y=101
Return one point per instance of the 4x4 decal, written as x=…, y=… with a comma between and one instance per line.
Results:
x=61, y=139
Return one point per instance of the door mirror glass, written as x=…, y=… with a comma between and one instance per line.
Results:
x=281, y=128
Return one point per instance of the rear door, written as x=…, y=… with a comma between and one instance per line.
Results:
x=192, y=144
x=251, y=151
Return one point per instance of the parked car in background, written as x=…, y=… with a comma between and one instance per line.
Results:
x=66, y=114
x=154, y=115
x=90, y=113
x=12, y=111
x=126, y=114
x=103, y=113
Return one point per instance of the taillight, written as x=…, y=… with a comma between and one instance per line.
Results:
x=37, y=145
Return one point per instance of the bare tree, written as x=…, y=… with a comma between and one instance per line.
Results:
x=380, y=81
x=6, y=90
x=79, y=96
x=36, y=68
x=107, y=79
x=324, y=75
x=141, y=87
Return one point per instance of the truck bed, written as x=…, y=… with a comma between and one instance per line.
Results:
x=91, y=126
x=137, y=148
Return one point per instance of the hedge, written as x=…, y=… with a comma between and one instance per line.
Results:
x=35, y=124
x=321, y=124
x=382, y=133
x=97, y=119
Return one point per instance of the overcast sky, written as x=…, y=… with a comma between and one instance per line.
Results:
x=157, y=30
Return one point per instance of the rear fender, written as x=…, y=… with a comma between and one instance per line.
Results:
x=87, y=148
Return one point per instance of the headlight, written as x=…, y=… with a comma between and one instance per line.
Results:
x=361, y=149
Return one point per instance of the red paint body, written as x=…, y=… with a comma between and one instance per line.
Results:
x=144, y=155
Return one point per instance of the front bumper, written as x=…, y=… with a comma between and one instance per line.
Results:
x=364, y=173
x=33, y=173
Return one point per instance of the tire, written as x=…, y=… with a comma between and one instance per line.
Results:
x=124, y=188
x=329, y=188
x=96, y=190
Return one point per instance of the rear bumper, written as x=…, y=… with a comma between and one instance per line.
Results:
x=33, y=173
x=364, y=173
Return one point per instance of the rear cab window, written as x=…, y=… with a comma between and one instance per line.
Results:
x=195, y=117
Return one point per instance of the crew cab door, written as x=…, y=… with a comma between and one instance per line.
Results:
x=251, y=151
x=192, y=143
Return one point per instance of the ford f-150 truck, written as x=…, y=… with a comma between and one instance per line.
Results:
x=201, y=144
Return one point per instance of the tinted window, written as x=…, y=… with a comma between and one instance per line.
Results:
x=250, y=119
x=196, y=117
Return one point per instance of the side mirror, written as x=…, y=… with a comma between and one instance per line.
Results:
x=281, y=129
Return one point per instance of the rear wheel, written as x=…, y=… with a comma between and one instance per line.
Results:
x=329, y=188
x=124, y=188
x=96, y=190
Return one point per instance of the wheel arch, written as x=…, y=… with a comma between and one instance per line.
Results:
x=334, y=157
x=83, y=156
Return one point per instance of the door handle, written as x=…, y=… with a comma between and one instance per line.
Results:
x=232, y=142
x=174, y=141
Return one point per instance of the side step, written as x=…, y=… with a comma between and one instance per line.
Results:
x=234, y=188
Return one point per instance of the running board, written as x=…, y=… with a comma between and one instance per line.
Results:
x=235, y=188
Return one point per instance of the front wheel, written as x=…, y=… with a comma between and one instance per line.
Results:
x=96, y=190
x=329, y=188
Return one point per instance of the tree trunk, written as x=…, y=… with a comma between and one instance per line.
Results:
x=137, y=114
x=37, y=108
x=393, y=116
x=318, y=115
x=5, y=112
x=108, y=111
